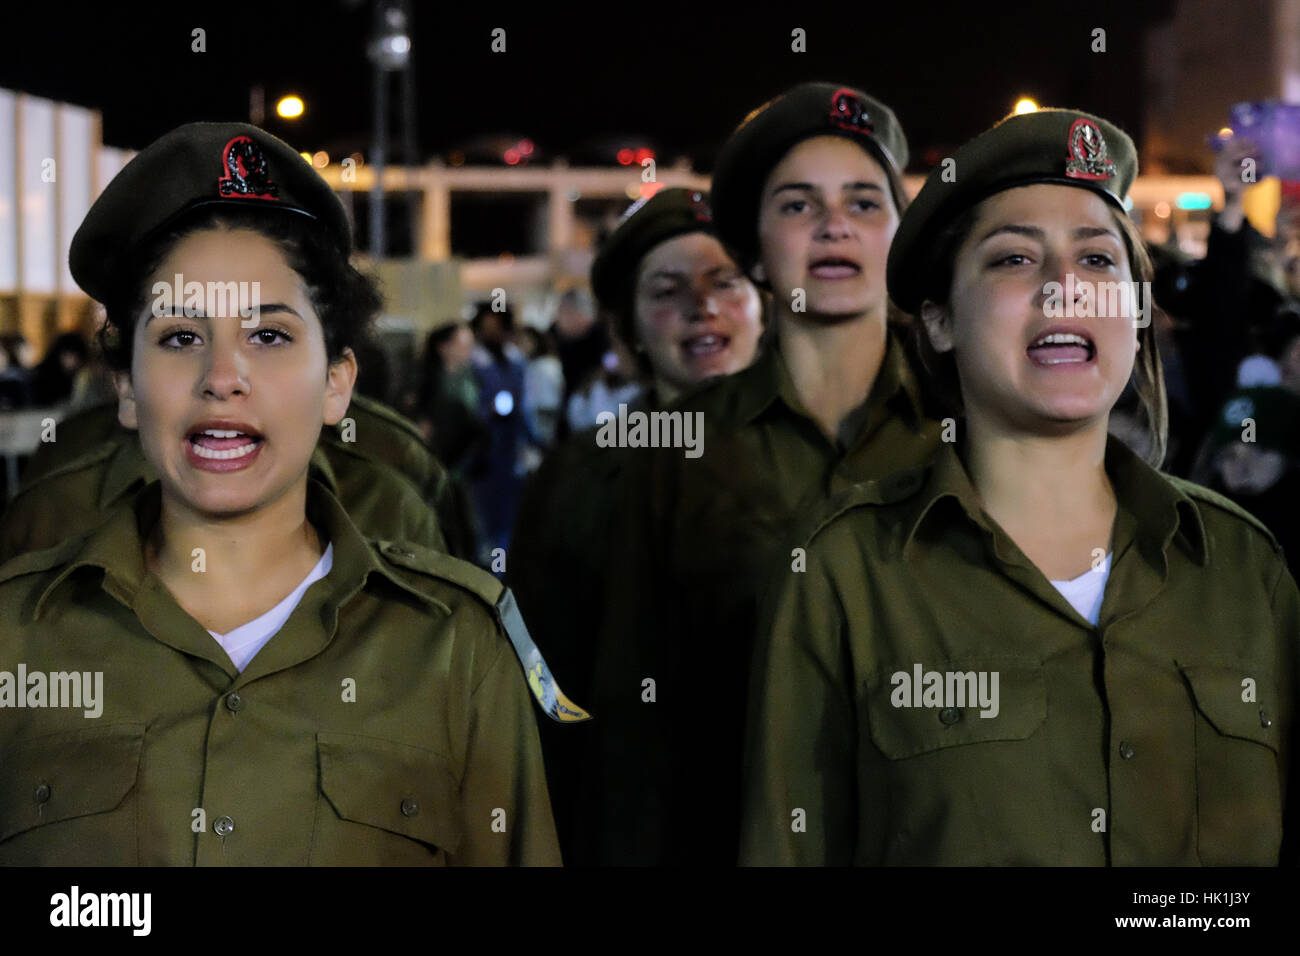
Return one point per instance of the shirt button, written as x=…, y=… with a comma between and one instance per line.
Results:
x=409, y=807
x=1264, y=719
x=1126, y=750
x=234, y=702
x=42, y=794
x=950, y=715
x=224, y=826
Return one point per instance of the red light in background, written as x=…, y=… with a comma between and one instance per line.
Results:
x=649, y=189
x=625, y=157
x=512, y=156
x=525, y=147
x=643, y=154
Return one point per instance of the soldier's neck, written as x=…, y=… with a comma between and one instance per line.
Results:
x=833, y=364
x=1051, y=494
x=223, y=567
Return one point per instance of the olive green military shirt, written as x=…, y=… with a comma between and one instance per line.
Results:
x=388, y=721
x=379, y=468
x=1161, y=736
x=697, y=540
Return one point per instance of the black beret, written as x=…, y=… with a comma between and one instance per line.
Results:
x=671, y=212
x=198, y=164
x=772, y=130
x=1065, y=147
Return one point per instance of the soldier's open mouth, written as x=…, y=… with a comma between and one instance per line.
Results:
x=223, y=445
x=1062, y=348
x=702, y=345
x=834, y=267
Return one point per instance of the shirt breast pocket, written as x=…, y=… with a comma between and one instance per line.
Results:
x=383, y=803
x=956, y=787
x=65, y=798
x=1238, y=784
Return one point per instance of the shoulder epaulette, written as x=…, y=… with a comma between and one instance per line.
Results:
x=501, y=600
x=391, y=438
x=878, y=491
x=90, y=459
x=1201, y=493
x=368, y=406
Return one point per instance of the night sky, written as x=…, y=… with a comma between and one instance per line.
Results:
x=677, y=77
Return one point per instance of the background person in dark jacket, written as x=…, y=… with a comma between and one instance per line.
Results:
x=53, y=379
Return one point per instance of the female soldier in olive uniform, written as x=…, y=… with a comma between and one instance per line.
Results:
x=152, y=709
x=1043, y=651
x=807, y=194
x=688, y=313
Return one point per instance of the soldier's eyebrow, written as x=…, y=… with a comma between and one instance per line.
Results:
x=179, y=311
x=809, y=187
x=1034, y=232
x=670, y=273
x=280, y=307
x=1039, y=234
x=1092, y=232
x=793, y=187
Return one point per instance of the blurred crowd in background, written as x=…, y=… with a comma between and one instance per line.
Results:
x=493, y=395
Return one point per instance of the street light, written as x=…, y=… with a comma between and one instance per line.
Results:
x=389, y=51
x=391, y=46
x=289, y=107
x=1025, y=105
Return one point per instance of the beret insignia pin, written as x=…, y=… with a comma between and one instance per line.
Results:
x=850, y=113
x=246, y=171
x=1086, y=152
x=699, y=207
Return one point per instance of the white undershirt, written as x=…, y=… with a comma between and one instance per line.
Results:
x=1086, y=591
x=243, y=643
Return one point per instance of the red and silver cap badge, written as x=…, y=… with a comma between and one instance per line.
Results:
x=247, y=175
x=699, y=207
x=850, y=113
x=1086, y=152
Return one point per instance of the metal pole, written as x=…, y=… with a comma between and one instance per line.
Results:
x=381, y=138
x=257, y=105
x=414, y=198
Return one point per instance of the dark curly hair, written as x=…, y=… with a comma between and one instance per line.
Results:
x=346, y=300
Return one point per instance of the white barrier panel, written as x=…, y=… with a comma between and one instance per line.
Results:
x=8, y=195
x=37, y=223
x=76, y=179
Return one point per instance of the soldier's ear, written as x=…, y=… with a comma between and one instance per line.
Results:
x=938, y=326
x=125, y=400
x=339, y=381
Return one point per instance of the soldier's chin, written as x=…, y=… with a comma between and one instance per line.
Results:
x=835, y=310
x=225, y=506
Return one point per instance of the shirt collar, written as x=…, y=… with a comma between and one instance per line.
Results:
x=117, y=547
x=1163, y=512
x=1159, y=511
x=896, y=384
x=764, y=378
x=127, y=470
